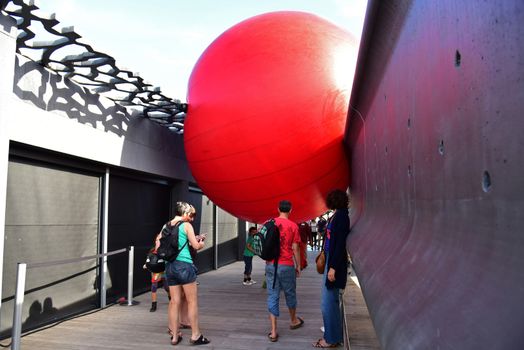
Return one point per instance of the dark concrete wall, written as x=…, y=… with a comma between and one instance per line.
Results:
x=435, y=136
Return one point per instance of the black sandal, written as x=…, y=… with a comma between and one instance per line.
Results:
x=200, y=341
x=178, y=340
x=272, y=339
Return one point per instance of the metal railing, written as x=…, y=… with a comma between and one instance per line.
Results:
x=20, y=287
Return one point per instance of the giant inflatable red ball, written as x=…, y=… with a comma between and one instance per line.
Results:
x=267, y=108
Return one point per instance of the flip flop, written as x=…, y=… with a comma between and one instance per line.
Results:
x=318, y=344
x=272, y=339
x=200, y=341
x=178, y=340
x=298, y=325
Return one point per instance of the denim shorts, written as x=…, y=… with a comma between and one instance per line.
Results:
x=180, y=272
x=286, y=281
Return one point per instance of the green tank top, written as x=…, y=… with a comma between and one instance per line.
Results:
x=184, y=255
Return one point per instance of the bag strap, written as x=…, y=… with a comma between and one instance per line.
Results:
x=176, y=256
x=324, y=234
x=177, y=225
x=275, y=264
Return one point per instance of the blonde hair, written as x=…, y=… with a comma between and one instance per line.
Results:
x=184, y=208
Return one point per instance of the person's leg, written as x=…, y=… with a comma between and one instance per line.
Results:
x=288, y=280
x=184, y=313
x=190, y=290
x=273, y=299
x=245, y=269
x=330, y=306
x=166, y=287
x=154, y=287
x=173, y=310
x=249, y=267
x=273, y=334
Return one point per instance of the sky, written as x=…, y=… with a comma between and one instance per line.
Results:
x=163, y=39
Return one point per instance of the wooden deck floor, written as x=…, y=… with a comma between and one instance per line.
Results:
x=233, y=316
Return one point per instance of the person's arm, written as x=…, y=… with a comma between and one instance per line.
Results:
x=337, y=245
x=191, y=237
x=296, y=255
x=296, y=249
x=249, y=245
x=157, y=240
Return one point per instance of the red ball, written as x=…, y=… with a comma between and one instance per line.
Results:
x=267, y=107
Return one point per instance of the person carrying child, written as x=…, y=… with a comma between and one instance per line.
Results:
x=157, y=278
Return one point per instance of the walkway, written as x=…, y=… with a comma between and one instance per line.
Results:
x=233, y=316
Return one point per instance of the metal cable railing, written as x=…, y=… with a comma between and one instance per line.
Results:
x=21, y=279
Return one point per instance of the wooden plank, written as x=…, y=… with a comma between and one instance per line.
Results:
x=232, y=315
x=360, y=329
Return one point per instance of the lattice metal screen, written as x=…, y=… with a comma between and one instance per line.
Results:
x=62, y=50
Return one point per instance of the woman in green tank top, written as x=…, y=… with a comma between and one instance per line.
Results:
x=181, y=276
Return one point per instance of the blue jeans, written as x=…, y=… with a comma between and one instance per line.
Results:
x=331, y=312
x=248, y=261
x=286, y=281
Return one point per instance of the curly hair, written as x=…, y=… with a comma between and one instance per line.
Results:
x=337, y=199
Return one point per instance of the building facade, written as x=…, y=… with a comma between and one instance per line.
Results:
x=80, y=176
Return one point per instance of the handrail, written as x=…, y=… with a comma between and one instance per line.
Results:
x=66, y=261
x=20, y=286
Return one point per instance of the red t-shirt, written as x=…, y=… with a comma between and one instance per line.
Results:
x=288, y=236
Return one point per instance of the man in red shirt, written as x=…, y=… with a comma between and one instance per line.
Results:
x=287, y=271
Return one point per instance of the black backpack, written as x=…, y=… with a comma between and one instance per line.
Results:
x=154, y=263
x=168, y=249
x=266, y=242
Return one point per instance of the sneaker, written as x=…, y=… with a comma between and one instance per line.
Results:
x=246, y=283
x=253, y=282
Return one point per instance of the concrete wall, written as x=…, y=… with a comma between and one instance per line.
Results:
x=7, y=44
x=435, y=138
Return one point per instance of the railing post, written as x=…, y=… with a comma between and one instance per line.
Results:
x=19, y=303
x=215, y=237
x=105, y=225
x=130, y=276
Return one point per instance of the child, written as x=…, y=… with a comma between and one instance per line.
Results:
x=157, y=279
x=248, y=257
